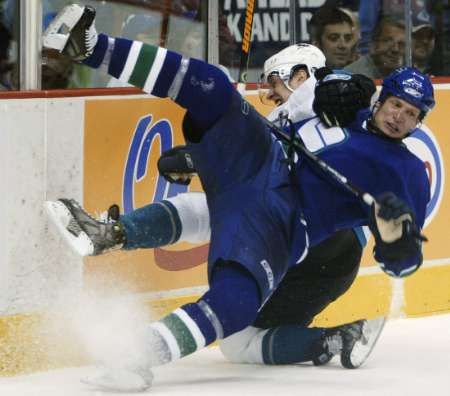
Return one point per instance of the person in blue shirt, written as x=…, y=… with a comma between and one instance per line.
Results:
x=265, y=211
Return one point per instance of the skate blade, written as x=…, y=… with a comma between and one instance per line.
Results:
x=61, y=217
x=118, y=380
x=58, y=32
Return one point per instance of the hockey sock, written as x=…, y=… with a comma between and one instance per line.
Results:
x=203, y=89
x=154, y=225
x=291, y=344
x=184, y=217
x=230, y=305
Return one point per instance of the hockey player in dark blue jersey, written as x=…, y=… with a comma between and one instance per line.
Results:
x=280, y=333
x=265, y=213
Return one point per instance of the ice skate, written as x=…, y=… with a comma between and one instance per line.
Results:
x=72, y=32
x=323, y=358
x=120, y=379
x=353, y=342
x=86, y=235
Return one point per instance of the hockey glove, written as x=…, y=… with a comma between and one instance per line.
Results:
x=72, y=32
x=176, y=165
x=397, y=237
x=339, y=96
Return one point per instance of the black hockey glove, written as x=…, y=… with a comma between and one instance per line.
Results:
x=176, y=165
x=339, y=96
x=397, y=237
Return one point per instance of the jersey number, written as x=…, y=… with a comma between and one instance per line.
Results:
x=318, y=137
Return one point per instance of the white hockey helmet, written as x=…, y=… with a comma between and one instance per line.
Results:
x=285, y=62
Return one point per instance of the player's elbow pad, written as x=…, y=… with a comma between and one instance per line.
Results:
x=398, y=267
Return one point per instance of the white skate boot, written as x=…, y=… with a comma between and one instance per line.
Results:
x=86, y=235
x=72, y=32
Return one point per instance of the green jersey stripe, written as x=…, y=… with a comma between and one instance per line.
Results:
x=131, y=61
x=182, y=334
x=143, y=65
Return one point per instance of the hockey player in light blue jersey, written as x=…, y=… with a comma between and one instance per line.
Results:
x=263, y=217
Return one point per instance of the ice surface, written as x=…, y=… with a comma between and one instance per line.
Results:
x=412, y=358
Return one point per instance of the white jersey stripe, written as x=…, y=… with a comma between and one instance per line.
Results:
x=155, y=69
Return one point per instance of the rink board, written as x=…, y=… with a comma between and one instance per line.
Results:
x=101, y=150
x=132, y=182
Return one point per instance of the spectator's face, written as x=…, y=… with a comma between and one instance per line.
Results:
x=396, y=118
x=423, y=44
x=388, y=51
x=336, y=43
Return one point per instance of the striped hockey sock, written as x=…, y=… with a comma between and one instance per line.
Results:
x=230, y=304
x=182, y=332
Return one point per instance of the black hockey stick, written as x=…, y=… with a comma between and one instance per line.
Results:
x=295, y=142
x=246, y=41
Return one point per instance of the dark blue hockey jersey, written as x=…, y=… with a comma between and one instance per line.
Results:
x=373, y=163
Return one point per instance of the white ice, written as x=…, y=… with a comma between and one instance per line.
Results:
x=411, y=358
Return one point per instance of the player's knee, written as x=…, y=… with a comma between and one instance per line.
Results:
x=193, y=213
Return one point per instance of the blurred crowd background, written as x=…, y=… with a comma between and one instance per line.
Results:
x=363, y=36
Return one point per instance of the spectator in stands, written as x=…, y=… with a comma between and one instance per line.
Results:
x=386, y=53
x=356, y=33
x=352, y=5
x=370, y=11
x=423, y=44
x=331, y=30
x=57, y=70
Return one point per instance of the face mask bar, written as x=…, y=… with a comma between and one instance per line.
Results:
x=266, y=84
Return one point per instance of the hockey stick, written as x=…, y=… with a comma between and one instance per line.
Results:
x=364, y=196
x=367, y=198
x=246, y=41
